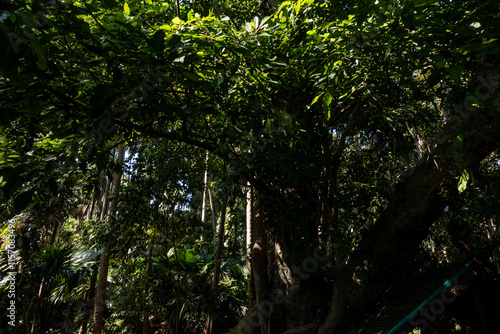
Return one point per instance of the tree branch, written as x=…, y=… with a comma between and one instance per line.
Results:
x=175, y=136
x=179, y=137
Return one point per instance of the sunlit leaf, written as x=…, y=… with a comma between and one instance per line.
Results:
x=464, y=178
x=297, y=7
x=327, y=101
x=316, y=99
x=126, y=9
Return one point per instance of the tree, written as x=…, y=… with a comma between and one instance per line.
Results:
x=209, y=325
x=355, y=125
x=100, y=293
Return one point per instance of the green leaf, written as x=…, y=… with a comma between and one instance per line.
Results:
x=190, y=76
x=126, y=9
x=457, y=144
x=42, y=59
x=327, y=101
x=217, y=82
x=157, y=41
x=441, y=63
x=297, y=7
x=462, y=183
x=286, y=117
x=316, y=99
x=255, y=103
x=387, y=53
x=455, y=72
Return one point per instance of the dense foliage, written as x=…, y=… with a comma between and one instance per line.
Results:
x=325, y=109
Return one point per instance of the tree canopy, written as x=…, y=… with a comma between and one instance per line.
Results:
x=288, y=161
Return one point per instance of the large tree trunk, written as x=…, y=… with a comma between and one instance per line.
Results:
x=289, y=290
x=100, y=295
x=298, y=295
